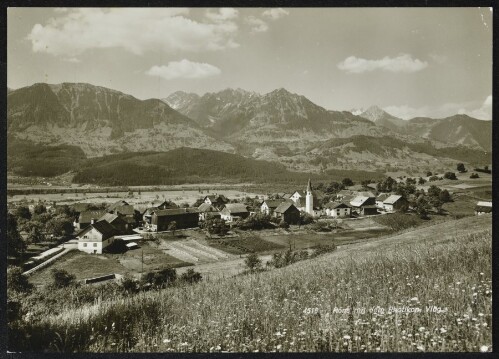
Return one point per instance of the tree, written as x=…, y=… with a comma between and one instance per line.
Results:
x=387, y=185
x=191, y=276
x=198, y=202
x=436, y=203
x=172, y=226
x=445, y=196
x=162, y=278
x=429, y=174
x=15, y=244
x=347, y=182
x=460, y=167
x=16, y=281
x=422, y=207
x=433, y=178
x=23, y=212
x=450, y=175
x=434, y=191
x=36, y=235
x=129, y=285
x=253, y=262
x=474, y=175
x=421, y=181
x=60, y=226
x=306, y=218
x=61, y=278
x=39, y=209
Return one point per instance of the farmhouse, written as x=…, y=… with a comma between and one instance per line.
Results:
x=483, y=207
x=344, y=193
x=381, y=198
x=234, y=211
x=288, y=212
x=117, y=221
x=85, y=218
x=216, y=200
x=394, y=203
x=268, y=206
x=183, y=217
x=338, y=209
x=96, y=236
x=126, y=211
x=207, y=211
x=307, y=201
x=364, y=206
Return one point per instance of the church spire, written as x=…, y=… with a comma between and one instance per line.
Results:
x=309, y=186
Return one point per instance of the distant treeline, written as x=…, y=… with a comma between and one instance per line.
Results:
x=187, y=165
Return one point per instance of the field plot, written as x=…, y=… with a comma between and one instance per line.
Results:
x=82, y=265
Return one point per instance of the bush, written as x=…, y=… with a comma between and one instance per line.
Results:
x=161, y=278
x=320, y=226
x=253, y=262
x=129, y=285
x=322, y=249
x=398, y=221
x=474, y=175
x=283, y=224
x=433, y=178
x=62, y=278
x=191, y=276
x=306, y=218
x=450, y=176
x=16, y=281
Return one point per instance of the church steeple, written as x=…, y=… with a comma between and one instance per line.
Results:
x=309, y=199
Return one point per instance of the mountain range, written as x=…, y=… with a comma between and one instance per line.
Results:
x=278, y=126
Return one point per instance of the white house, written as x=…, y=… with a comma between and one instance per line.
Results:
x=381, y=198
x=394, y=203
x=234, y=211
x=96, y=236
x=483, y=207
x=268, y=206
x=338, y=209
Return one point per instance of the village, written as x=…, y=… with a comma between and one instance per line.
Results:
x=216, y=232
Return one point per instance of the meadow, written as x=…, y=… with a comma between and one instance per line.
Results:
x=338, y=302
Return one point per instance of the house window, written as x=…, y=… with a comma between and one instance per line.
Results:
x=84, y=244
x=85, y=236
x=95, y=244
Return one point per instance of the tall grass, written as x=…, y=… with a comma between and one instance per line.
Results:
x=293, y=308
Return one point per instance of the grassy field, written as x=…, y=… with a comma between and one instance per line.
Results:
x=84, y=265
x=301, y=308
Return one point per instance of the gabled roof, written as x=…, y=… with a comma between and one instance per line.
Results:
x=366, y=194
x=382, y=196
x=300, y=192
x=117, y=204
x=87, y=216
x=109, y=217
x=104, y=227
x=219, y=198
x=235, y=208
x=392, y=199
x=334, y=205
x=273, y=203
x=174, y=211
x=484, y=204
x=126, y=210
x=344, y=192
x=358, y=201
x=206, y=207
x=285, y=206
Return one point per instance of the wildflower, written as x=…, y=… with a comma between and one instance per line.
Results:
x=420, y=347
x=279, y=347
x=346, y=337
x=166, y=341
x=484, y=348
x=421, y=329
x=443, y=330
x=415, y=299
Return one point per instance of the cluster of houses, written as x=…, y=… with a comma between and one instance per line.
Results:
x=99, y=228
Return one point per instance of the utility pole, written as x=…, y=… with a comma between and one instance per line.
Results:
x=142, y=260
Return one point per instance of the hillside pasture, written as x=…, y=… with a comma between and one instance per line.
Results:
x=304, y=307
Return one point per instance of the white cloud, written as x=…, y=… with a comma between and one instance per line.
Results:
x=484, y=112
x=137, y=30
x=257, y=25
x=275, y=13
x=223, y=14
x=184, y=69
x=401, y=63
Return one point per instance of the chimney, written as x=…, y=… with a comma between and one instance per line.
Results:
x=92, y=221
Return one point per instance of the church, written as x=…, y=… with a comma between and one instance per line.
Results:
x=307, y=201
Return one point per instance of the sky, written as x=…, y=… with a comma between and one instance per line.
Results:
x=411, y=62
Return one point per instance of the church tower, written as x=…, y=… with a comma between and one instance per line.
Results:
x=309, y=199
